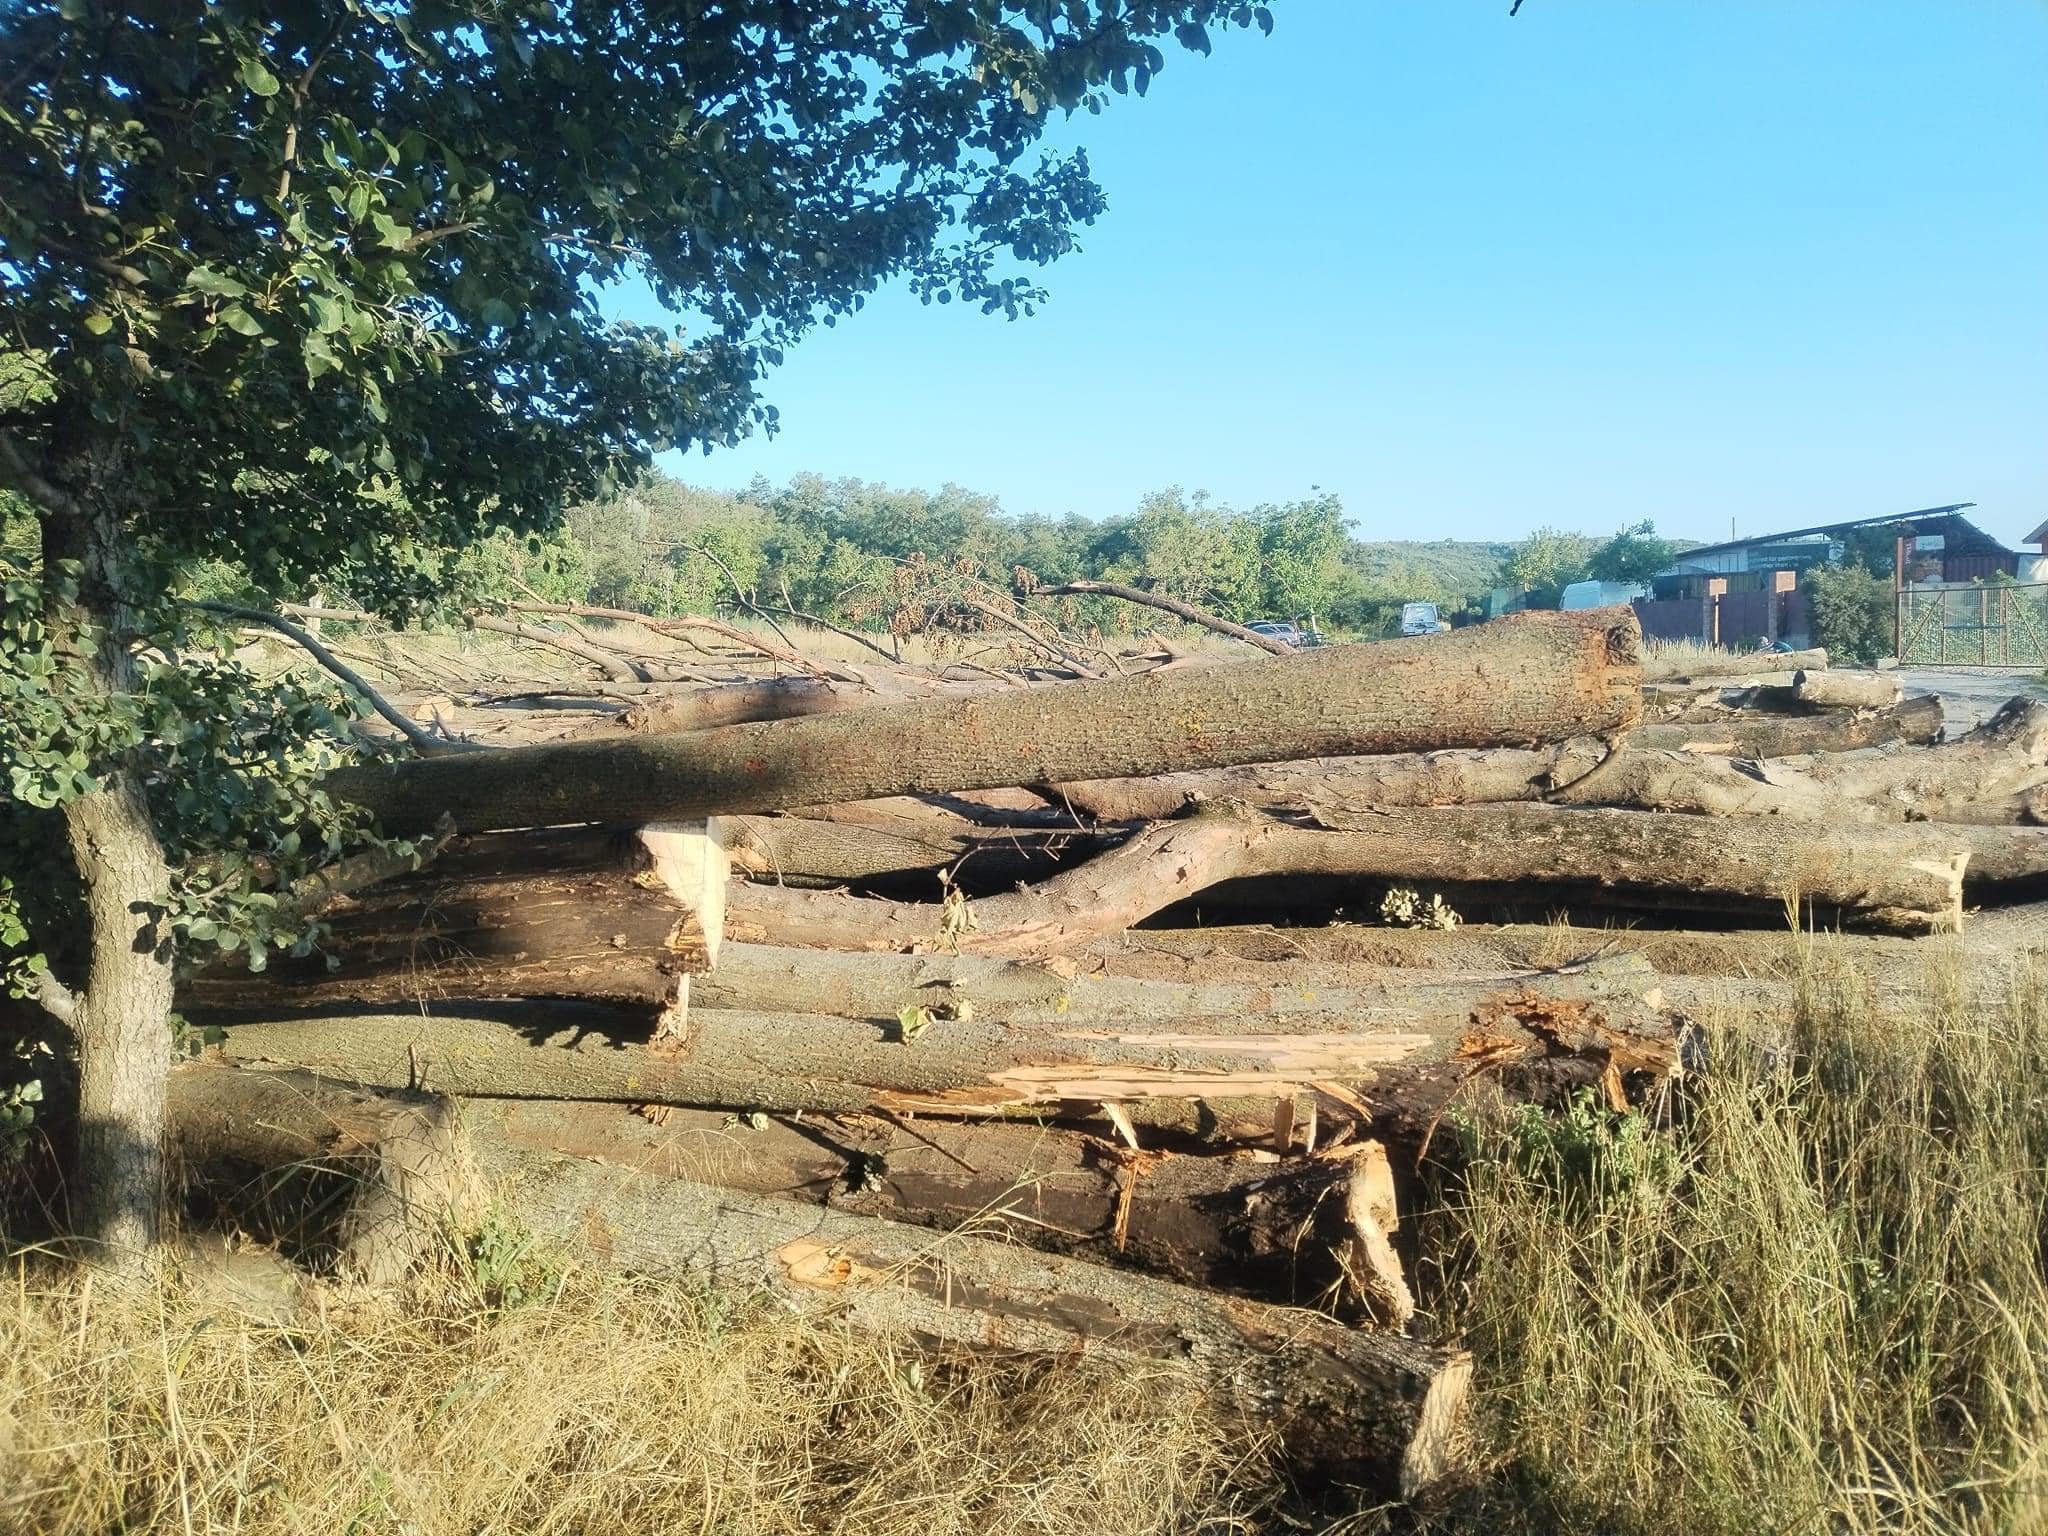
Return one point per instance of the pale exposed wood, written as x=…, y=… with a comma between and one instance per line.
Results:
x=1371, y=1406
x=1541, y=677
x=1374, y=1267
x=1847, y=690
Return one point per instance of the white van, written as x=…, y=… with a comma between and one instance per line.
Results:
x=1421, y=619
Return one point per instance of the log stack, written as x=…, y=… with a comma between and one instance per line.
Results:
x=960, y=1049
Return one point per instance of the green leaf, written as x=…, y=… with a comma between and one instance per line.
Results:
x=204, y=279
x=258, y=78
x=99, y=322
x=359, y=202
x=240, y=321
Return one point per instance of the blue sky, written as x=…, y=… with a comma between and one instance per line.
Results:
x=1769, y=261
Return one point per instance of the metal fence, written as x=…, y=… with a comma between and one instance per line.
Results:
x=1994, y=625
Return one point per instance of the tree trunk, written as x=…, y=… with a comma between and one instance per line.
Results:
x=1360, y=1404
x=122, y=1024
x=1535, y=678
x=1753, y=734
x=1907, y=877
x=1276, y=1231
x=1660, y=666
x=1987, y=775
x=613, y=916
x=1022, y=1057
x=413, y=1179
x=121, y=1018
x=1289, y=955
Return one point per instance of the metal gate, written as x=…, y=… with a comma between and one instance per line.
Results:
x=1994, y=625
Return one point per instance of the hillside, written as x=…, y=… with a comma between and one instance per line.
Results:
x=1461, y=567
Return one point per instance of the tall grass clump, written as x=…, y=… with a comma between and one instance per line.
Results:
x=1813, y=1300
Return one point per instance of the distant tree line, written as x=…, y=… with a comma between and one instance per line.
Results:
x=856, y=553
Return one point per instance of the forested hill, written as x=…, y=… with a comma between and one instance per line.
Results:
x=1461, y=567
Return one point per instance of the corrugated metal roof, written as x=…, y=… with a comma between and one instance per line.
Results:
x=1924, y=515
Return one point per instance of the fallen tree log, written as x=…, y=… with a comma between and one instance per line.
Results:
x=404, y=1154
x=1008, y=1061
x=1756, y=734
x=1986, y=775
x=619, y=916
x=776, y=848
x=1532, y=678
x=1375, y=1406
x=1661, y=666
x=1276, y=1230
x=1991, y=938
x=1847, y=690
x=1908, y=877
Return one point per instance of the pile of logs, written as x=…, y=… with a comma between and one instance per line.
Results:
x=1029, y=1008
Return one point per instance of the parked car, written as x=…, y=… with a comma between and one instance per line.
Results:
x=1287, y=632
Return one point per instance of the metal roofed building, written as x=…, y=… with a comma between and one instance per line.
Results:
x=1747, y=590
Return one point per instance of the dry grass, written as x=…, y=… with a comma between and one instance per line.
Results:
x=1818, y=1303
x=1814, y=1301
x=615, y=1407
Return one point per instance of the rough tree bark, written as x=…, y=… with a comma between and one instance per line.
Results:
x=1756, y=734
x=1847, y=690
x=121, y=1018
x=1365, y=1405
x=1986, y=775
x=1535, y=678
x=619, y=916
x=1009, y=1060
x=797, y=848
x=1908, y=877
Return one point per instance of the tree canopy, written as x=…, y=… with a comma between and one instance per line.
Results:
x=315, y=292
x=319, y=286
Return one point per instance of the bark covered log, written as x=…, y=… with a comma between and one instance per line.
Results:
x=1757, y=733
x=1368, y=1405
x=1908, y=877
x=1847, y=690
x=1011, y=1058
x=1536, y=678
x=618, y=916
x=1986, y=775
x=775, y=848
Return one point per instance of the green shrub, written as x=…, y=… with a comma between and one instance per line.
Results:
x=1852, y=613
